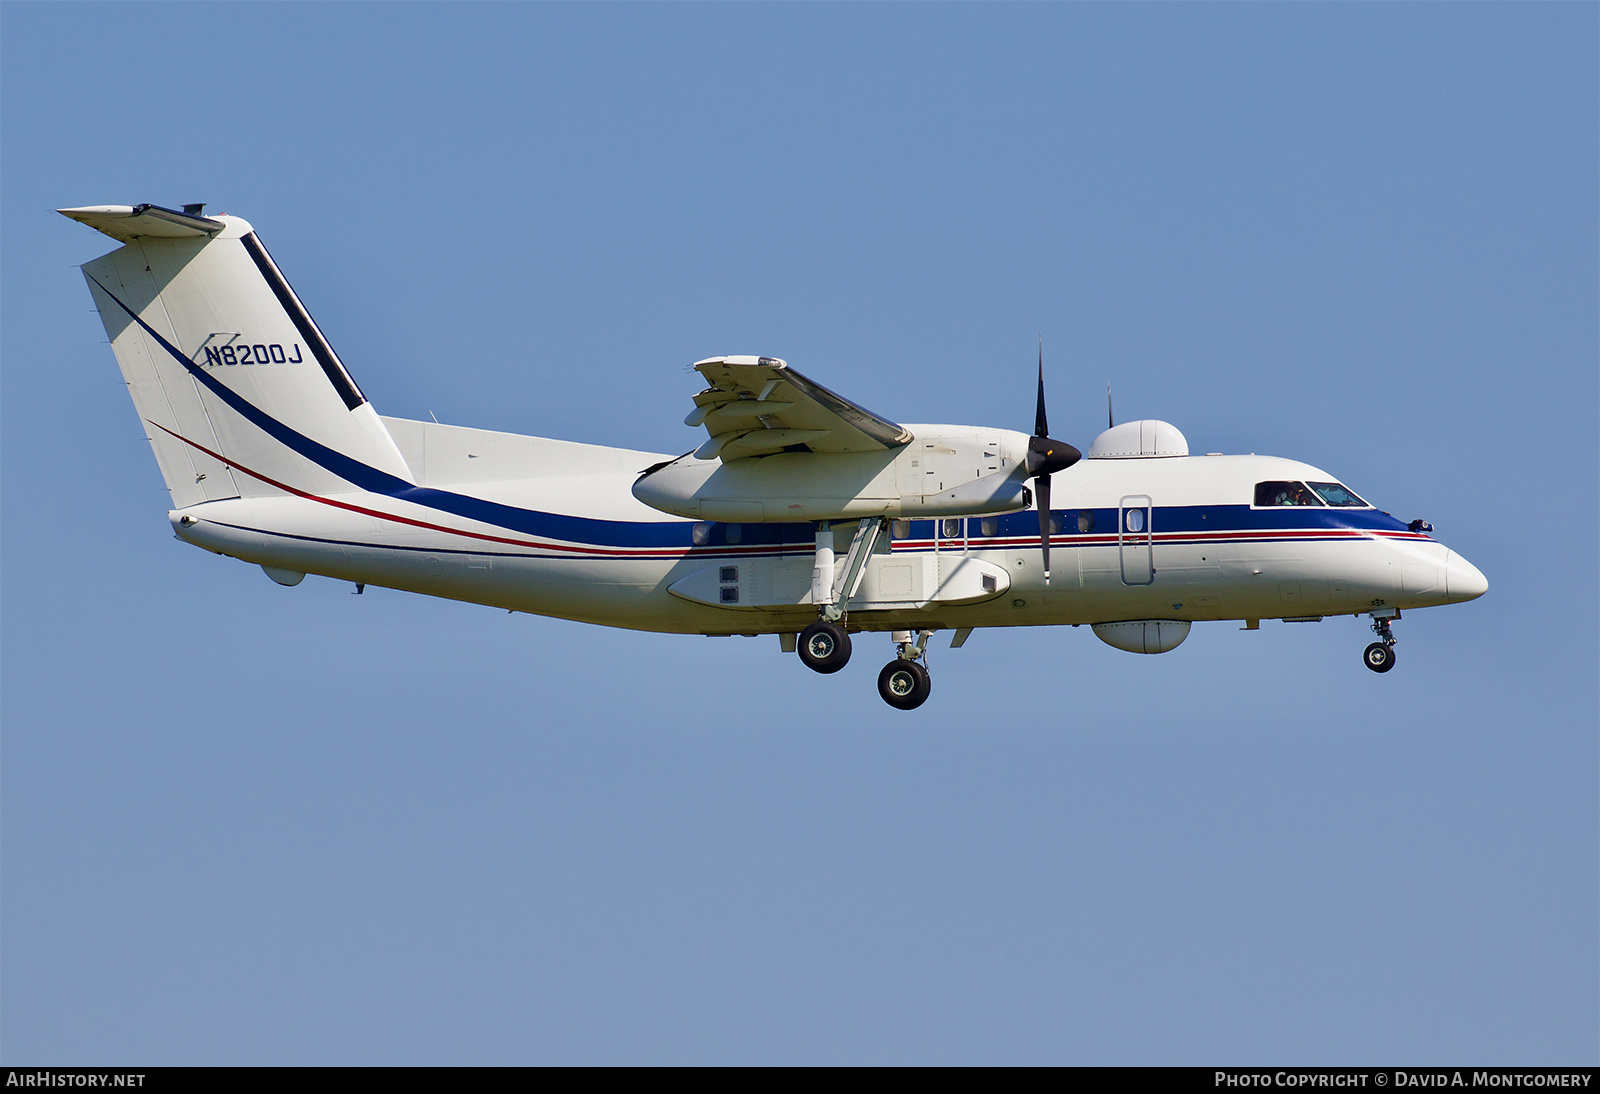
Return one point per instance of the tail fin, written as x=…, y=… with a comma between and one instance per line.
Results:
x=240, y=393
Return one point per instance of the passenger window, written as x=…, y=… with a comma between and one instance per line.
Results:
x=1336, y=494
x=701, y=534
x=988, y=526
x=1284, y=493
x=1086, y=520
x=1133, y=520
x=951, y=529
x=900, y=529
x=1055, y=524
x=732, y=533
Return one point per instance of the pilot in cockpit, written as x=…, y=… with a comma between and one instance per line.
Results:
x=1284, y=493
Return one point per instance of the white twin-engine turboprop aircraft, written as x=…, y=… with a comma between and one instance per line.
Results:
x=803, y=515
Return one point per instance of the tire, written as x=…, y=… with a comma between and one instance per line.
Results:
x=1378, y=657
x=904, y=684
x=824, y=647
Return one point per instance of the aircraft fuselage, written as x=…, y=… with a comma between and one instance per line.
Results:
x=1174, y=538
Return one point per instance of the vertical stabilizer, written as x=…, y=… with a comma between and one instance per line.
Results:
x=239, y=392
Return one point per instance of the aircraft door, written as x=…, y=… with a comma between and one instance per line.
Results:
x=1135, y=540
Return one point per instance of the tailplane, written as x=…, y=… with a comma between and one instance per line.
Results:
x=238, y=391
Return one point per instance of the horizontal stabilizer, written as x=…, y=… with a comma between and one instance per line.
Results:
x=124, y=223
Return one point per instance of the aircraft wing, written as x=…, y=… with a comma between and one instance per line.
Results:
x=756, y=406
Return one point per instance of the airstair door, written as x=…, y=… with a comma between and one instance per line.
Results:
x=1135, y=540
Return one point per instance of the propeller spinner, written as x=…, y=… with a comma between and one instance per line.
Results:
x=1045, y=457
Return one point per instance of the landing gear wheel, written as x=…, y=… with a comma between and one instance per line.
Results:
x=904, y=684
x=824, y=647
x=1379, y=657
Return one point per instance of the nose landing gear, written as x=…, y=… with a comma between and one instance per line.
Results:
x=1379, y=657
x=904, y=682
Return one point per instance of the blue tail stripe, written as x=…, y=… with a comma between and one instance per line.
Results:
x=608, y=533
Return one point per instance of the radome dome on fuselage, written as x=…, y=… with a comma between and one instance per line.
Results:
x=272, y=454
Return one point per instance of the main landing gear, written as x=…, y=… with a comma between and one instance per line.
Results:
x=824, y=646
x=1379, y=657
x=904, y=682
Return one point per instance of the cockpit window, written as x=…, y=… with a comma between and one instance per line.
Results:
x=1284, y=493
x=1337, y=495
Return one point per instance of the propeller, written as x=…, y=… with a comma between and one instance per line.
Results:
x=1045, y=457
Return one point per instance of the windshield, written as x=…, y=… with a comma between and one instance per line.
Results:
x=1284, y=493
x=1336, y=494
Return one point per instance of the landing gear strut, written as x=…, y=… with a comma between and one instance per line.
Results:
x=825, y=645
x=904, y=682
x=1379, y=657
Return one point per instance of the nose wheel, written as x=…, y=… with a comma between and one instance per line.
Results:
x=1379, y=657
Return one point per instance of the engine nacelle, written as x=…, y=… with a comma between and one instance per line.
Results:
x=1144, y=635
x=945, y=471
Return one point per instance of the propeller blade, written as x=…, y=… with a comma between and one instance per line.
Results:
x=1041, y=424
x=1043, y=484
x=1045, y=457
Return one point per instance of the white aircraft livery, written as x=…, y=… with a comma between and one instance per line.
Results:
x=802, y=514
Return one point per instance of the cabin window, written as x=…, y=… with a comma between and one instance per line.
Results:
x=732, y=533
x=1055, y=524
x=1133, y=520
x=701, y=534
x=1086, y=520
x=989, y=526
x=1336, y=494
x=950, y=528
x=900, y=529
x=1284, y=493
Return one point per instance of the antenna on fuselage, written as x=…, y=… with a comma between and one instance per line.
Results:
x=1110, y=421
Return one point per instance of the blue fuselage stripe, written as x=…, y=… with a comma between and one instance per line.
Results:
x=1165, y=521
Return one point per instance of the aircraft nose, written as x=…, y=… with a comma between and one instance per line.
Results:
x=1463, y=580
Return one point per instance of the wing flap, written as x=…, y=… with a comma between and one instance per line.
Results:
x=759, y=405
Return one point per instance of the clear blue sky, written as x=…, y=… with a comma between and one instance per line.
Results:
x=249, y=824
